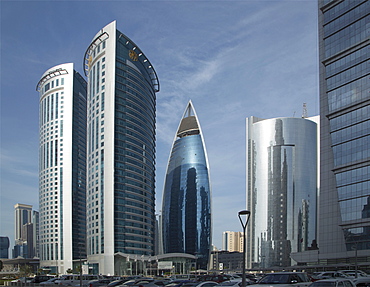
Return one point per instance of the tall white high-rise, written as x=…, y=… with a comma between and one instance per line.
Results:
x=122, y=86
x=62, y=168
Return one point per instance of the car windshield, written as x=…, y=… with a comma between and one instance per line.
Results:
x=275, y=279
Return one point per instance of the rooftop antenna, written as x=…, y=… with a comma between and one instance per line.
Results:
x=304, y=112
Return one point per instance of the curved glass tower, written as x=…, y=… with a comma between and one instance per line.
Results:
x=122, y=86
x=281, y=189
x=186, y=210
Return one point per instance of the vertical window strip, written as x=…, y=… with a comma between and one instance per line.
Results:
x=44, y=111
x=47, y=154
x=51, y=154
x=89, y=139
x=97, y=76
x=56, y=105
x=102, y=100
x=52, y=107
x=92, y=135
x=97, y=244
x=48, y=109
x=93, y=83
x=56, y=153
x=97, y=132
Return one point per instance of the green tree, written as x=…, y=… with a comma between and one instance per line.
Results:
x=25, y=270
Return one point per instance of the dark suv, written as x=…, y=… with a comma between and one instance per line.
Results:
x=41, y=278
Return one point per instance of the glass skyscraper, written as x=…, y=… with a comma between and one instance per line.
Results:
x=121, y=111
x=344, y=211
x=281, y=189
x=186, y=210
x=62, y=168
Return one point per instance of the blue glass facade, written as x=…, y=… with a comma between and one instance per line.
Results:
x=134, y=149
x=186, y=210
x=4, y=247
x=345, y=129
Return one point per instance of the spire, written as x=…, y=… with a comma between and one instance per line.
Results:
x=189, y=123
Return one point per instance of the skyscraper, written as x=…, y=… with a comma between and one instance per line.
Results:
x=62, y=168
x=281, y=189
x=122, y=86
x=4, y=247
x=344, y=46
x=186, y=210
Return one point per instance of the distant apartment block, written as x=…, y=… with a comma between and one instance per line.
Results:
x=23, y=215
x=232, y=241
x=26, y=226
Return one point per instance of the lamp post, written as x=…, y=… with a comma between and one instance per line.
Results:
x=246, y=214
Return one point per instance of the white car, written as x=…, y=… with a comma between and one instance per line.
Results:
x=335, y=282
x=352, y=273
x=331, y=274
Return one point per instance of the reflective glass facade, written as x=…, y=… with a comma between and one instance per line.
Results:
x=62, y=168
x=281, y=189
x=344, y=224
x=122, y=86
x=186, y=210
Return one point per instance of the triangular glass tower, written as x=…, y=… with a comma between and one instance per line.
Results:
x=186, y=210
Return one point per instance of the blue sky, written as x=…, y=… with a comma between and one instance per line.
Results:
x=233, y=59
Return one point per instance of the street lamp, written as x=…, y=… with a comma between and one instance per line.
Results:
x=246, y=214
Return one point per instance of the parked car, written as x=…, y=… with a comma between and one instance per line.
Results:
x=207, y=284
x=41, y=278
x=75, y=280
x=117, y=282
x=135, y=281
x=23, y=280
x=50, y=281
x=352, y=273
x=179, y=282
x=335, y=282
x=200, y=284
x=362, y=281
x=215, y=277
x=99, y=282
x=151, y=283
x=235, y=283
x=330, y=275
x=284, y=279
